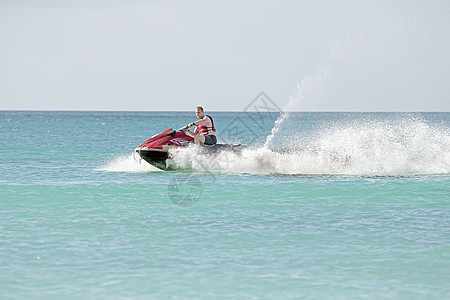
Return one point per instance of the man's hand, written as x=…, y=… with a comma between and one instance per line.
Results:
x=184, y=128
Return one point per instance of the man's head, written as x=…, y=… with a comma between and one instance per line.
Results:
x=199, y=112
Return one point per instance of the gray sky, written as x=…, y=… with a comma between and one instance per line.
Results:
x=357, y=55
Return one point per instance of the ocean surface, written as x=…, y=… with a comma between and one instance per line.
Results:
x=318, y=206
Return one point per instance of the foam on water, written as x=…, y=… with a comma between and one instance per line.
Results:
x=404, y=147
x=128, y=163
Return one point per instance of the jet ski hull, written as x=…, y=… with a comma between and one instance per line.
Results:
x=162, y=160
x=157, y=158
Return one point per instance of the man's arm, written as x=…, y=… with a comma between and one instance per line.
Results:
x=190, y=133
x=204, y=120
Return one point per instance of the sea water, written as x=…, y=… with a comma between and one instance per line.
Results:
x=328, y=206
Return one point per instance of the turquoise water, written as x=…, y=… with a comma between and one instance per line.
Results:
x=333, y=205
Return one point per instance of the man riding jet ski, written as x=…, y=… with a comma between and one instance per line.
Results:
x=205, y=133
x=155, y=150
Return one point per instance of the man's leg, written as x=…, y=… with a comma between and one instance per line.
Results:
x=199, y=139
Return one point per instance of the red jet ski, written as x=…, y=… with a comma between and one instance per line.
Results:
x=155, y=150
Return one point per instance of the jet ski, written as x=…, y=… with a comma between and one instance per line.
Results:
x=156, y=150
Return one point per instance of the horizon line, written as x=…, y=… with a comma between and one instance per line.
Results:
x=229, y=111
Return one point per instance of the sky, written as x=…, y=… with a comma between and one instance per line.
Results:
x=348, y=55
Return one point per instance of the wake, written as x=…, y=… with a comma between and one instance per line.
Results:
x=128, y=163
x=383, y=148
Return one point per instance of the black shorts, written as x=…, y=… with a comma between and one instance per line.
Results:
x=210, y=139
